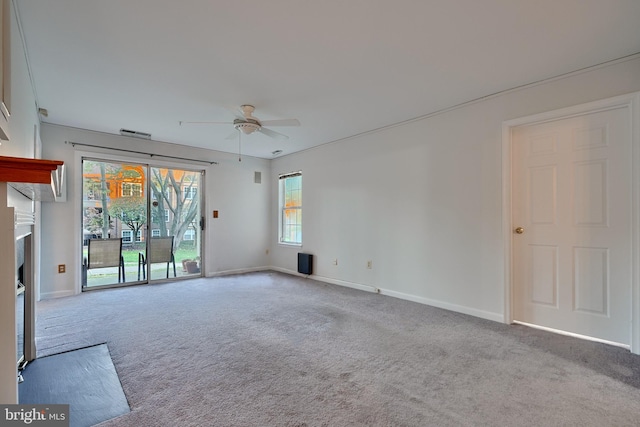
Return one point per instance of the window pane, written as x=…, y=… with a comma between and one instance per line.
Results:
x=291, y=209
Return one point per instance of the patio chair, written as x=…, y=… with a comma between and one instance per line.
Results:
x=160, y=250
x=103, y=253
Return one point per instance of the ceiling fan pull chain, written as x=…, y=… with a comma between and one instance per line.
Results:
x=239, y=145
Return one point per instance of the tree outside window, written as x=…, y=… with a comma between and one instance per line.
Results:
x=131, y=211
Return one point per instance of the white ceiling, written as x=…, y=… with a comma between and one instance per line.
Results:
x=340, y=67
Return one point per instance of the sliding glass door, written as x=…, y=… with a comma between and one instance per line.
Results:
x=140, y=223
x=176, y=220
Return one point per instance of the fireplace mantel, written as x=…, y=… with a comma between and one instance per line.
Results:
x=37, y=179
x=35, y=171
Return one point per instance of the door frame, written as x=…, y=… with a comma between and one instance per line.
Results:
x=632, y=103
x=148, y=161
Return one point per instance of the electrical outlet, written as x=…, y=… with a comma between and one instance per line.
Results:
x=62, y=268
x=369, y=264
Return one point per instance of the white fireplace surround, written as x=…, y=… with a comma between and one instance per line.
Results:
x=17, y=221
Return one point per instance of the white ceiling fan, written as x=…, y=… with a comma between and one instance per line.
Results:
x=248, y=124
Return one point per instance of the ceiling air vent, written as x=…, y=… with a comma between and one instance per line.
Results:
x=135, y=134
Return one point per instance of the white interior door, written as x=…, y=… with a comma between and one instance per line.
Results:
x=571, y=197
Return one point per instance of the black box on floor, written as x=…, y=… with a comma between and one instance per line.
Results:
x=304, y=263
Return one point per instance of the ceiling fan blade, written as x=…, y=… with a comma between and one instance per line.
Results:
x=204, y=123
x=282, y=122
x=273, y=134
x=233, y=135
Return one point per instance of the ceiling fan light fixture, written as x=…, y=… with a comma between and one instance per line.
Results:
x=247, y=126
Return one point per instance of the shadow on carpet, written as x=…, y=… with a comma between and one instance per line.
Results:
x=85, y=379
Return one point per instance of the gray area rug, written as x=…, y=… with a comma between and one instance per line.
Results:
x=85, y=379
x=268, y=349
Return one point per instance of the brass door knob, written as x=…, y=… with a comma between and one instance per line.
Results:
x=519, y=230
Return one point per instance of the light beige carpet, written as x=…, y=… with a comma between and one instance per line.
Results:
x=268, y=349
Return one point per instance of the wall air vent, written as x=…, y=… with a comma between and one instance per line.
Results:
x=135, y=134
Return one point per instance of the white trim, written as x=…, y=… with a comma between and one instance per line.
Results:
x=293, y=245
x=632, y=103
x=77, y=232
x=56, y=294
x=506, y=221
x=571, y=334
x=346, y=284
x=496, y=317
x=237, y=271
x=634, y=110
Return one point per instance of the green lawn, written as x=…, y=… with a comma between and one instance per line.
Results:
x=131, y=255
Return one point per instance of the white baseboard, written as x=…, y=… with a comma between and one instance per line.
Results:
x=571, y=334
x=56, y=294
x=496, y=317
x=237, y=271
x=353, y=285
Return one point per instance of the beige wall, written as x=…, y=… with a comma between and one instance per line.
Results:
x=423, y=201
x=235, y=242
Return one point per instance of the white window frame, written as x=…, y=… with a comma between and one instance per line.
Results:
x=139, y=236
x=282, y=227
x=189, y=235
x=155, y=232
x=127, y=236
x=131, y=189
x=190, y=193
x=167, y=215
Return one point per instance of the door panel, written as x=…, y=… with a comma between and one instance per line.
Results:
x=175, y=212
x=543, y=261
x=571, y=194
x=114, y=206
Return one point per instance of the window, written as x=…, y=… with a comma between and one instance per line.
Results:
x=139, y=236
x=127, y=236
x=190, y=193
x=155, y=232
x=190, y=234
x=167, y=195
x=130, y=189
x=166, y=215
x=290, y=202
